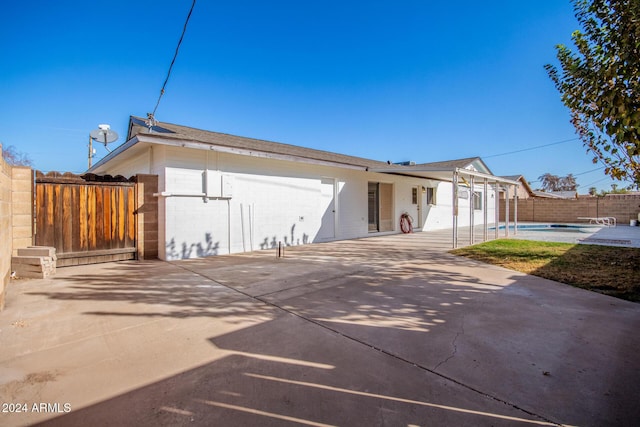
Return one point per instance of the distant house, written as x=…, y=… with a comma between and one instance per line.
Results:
x=524, y=190
x=221, y=193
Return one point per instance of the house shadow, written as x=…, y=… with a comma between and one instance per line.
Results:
x=289, y=371
x=353, y=335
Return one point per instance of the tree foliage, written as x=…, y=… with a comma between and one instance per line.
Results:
x=600, y=83
x=551, y=182
x=13, y=157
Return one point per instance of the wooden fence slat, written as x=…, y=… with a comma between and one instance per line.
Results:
x=85, y=219
x=58, y=213
x=75, y=225
x=99, y=222
x=114, y=218
x=83, y=216
x=131, y=219
x=47, y=225
x=93, y=218
x=121, y=217
x=67, y=218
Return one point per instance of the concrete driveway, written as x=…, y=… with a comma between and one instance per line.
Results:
x=380, y=331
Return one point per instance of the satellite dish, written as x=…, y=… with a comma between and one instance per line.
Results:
x=104, y=134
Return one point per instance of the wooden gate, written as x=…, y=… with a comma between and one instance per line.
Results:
x=88, y=218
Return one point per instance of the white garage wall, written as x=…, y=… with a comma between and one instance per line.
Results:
x=255, y=202
x=271, y=201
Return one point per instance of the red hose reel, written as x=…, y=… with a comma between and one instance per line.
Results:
x=406, y=223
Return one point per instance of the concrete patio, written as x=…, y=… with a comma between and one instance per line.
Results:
x=381, y=331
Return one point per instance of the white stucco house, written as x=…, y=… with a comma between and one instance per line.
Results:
x=220, y=193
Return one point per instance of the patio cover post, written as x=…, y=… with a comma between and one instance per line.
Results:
x=454, y=208
x=496, y=194
x=515, y=210
x=507, y=200
x=485, y=208
x=471, y=207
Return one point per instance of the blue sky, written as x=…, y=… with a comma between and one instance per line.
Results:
x=406, y=80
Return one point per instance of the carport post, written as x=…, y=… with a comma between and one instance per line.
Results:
x=454, y=208
x=485, y=208
x=507, y=200
x=515, y=210
x=496, y=194
x=471, y=207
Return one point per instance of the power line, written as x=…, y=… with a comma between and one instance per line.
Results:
x=531, y=148
x=576, y=174
x=592, y=170
x=600, y=180
x=175, y=55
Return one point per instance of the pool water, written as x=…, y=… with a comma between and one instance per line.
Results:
x=575, y=228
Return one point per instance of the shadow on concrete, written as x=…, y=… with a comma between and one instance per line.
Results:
x=149, y=289
x=288, y=372
x=379, y=331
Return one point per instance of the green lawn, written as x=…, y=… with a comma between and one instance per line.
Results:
x=609, y=270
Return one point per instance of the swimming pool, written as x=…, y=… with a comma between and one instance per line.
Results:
x=544, y=227
x=592, y=234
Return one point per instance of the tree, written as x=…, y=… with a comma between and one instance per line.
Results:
x=600, y=83
x=568, y=183
x=13, y=157
x=555, y=183
x=549, y=182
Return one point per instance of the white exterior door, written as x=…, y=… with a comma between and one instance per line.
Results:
x=327, y=209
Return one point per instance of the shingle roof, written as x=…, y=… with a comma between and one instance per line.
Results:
x=173, y=131
x=512, y=177
x=449, y=164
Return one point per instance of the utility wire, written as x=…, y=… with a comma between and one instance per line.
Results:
x=175, y=55
x=592, y=170
x=531, y=148
x=576, y=174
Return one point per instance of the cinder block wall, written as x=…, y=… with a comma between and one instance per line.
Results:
x=22, y=207
x=6, y=227
x=620, y=206
x=16, y=187
x=147, y=216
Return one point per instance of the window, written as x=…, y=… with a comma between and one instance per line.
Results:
x=373, y=206
x=414, y=195
x=463, y=192
x=477, y=200
x=380, y=206
x=431, y=196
